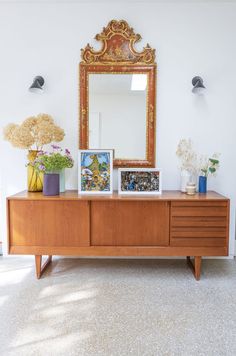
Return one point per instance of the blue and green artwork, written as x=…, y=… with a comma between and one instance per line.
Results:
x=95, y=171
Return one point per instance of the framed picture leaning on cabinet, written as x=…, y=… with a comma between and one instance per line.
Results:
x=139, y=181
x=95, y=171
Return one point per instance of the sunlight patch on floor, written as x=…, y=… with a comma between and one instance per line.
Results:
x=3, y=299
x=53, y=311
x=50, y=291
x=34, y=333
x=73, y=297
x=58, y=343
x=14, y=277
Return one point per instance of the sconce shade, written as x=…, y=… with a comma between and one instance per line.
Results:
x=37, y=85
x=198, y=86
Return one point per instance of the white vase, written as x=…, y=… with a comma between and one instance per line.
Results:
x=62, y=180
x=185, y=178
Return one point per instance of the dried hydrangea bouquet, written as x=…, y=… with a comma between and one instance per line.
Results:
x=33, y=134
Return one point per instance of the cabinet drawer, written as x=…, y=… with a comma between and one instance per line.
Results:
x=48, y=223
x=129, y=223
x=199, y=223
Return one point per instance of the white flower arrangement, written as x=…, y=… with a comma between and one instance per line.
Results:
x=202, y=165
x=187, y=156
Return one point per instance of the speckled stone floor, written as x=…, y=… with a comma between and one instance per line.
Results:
x=92, y=307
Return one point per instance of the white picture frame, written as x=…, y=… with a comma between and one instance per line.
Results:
x=134, y=191
x=89, y=178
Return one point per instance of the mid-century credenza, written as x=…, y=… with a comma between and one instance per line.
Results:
x=171, y=224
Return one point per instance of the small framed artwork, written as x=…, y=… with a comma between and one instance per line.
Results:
x=139, y=181
x=95, y=171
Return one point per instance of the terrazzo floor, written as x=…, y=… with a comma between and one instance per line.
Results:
x=115, y=307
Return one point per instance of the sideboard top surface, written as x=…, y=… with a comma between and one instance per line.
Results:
x=165, y=196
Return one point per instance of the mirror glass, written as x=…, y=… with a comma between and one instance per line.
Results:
x=117, y=114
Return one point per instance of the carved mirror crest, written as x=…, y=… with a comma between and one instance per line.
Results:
x=117, y=97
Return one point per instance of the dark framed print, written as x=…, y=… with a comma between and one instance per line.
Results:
x=139, y=181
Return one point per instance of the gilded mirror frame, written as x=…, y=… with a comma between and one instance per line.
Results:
x=118, y=56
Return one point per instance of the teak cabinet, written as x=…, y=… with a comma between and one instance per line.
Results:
x=173, y=224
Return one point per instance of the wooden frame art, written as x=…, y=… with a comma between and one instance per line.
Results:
x=118, y=56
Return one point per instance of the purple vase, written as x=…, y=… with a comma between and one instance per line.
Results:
x=51, y=184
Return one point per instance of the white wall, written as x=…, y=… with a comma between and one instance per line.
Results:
x=190, y=39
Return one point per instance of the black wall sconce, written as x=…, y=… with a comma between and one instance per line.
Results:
x=37, y=85
x=198, y=86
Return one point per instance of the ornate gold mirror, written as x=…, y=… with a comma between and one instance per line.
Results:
x=117, y=97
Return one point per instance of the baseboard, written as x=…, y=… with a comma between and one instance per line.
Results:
x=1, y=253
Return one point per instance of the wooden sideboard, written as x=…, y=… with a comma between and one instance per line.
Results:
x=172, y=224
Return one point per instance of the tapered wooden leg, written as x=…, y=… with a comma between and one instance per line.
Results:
x=196, y=267
x=197, y=263
x=38, y=262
